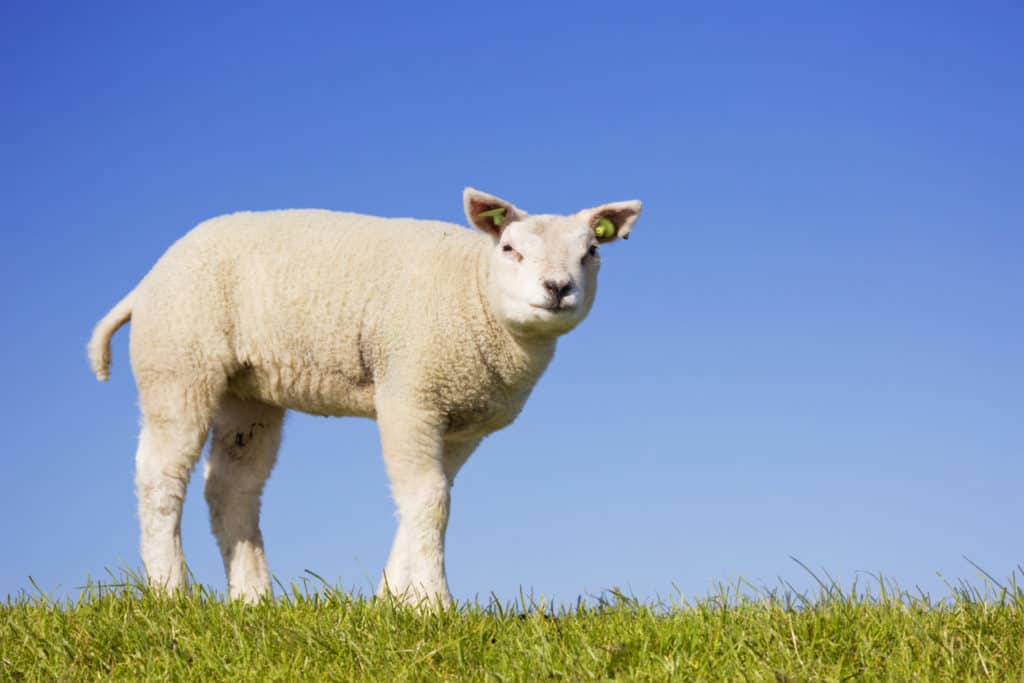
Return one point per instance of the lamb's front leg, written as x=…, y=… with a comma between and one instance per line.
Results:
x=414, y=456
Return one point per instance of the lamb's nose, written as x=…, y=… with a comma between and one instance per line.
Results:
x=559, y=288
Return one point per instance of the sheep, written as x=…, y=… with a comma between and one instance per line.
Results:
x=437, y=332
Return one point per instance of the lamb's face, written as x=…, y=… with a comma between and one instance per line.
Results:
x=543, y=269
x=544, y=274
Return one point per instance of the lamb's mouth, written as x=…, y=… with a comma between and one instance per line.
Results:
x=556, y=309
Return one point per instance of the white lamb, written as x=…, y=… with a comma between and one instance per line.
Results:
x=437, y=332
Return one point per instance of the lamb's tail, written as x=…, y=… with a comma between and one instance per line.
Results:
x=99, y=344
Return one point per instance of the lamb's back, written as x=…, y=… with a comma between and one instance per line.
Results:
x=303, y=302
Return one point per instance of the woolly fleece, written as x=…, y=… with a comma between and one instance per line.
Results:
x=437, y=332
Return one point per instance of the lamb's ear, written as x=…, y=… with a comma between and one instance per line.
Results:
x=612, y=221
x=489, y=213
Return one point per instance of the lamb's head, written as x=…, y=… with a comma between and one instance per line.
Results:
x=543, y=268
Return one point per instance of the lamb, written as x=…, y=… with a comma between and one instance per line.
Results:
x=437, y=332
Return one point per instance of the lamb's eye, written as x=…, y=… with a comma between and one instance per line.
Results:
x=511, y=252
x=591, y=252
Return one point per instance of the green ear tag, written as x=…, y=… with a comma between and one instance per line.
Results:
x=604, y=228
x=496, y=214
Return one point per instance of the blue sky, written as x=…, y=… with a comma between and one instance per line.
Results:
x=812, y=346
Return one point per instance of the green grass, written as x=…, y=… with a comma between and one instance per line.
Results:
x=123, y=632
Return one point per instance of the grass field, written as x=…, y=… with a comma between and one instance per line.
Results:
x=121, y=631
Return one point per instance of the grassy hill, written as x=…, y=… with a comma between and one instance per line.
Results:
x=122, y=631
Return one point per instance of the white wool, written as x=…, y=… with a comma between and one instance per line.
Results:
x=437, y=332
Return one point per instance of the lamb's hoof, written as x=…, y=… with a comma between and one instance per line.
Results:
x=251, y=594
x=420, y=599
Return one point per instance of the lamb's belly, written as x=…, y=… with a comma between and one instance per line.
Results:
x=328, y=393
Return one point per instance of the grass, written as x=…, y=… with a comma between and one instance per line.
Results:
x=122, y=631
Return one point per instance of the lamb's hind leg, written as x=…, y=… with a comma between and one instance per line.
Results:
x=246, y=436
x=175, y=421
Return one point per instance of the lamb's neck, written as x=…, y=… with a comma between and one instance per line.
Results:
x=516, y=360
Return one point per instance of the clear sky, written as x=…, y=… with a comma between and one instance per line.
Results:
x=811, y=347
